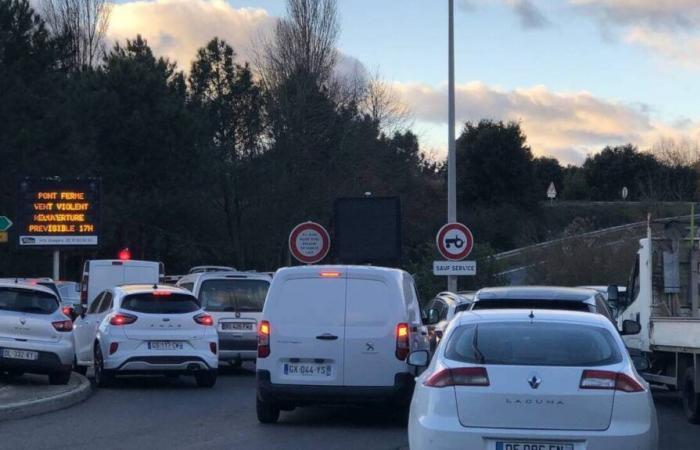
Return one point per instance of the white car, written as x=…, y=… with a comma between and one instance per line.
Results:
x=147, y=329
x=35, y=335
x=337, y=334
x=537, y=380
x=441, y=310
x=235, y=300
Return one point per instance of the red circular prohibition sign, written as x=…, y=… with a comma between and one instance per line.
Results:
x=325, y=243
x=457, y=246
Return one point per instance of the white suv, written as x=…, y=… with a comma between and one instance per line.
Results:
x=35, y=335
x=147, y=329
x=235, y=300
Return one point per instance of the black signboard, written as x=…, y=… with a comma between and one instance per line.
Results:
x=368, y=230
x=56, y=212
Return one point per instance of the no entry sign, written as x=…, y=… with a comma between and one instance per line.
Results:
x=455, y=241
x=309, y=243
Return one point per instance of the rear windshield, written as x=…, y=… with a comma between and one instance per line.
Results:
x=233, y=295
x=462, y=307
x=160, y=304
x=531, y=304
x=533, y=344
x=27, y=301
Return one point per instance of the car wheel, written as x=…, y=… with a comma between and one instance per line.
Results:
x=82, y=370
x=267, y=412
x=103, y=378
x=205, y=379
x=691, y=399
x=59, y=377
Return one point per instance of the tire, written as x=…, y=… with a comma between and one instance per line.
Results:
x=691, y=398
x=59, y=377
x=267, y=412
x=206, y=379
x=103, y=378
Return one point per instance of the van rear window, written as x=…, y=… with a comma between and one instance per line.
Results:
x=567, y=305
x=233, y=295
x=160, y=304
x=27, y=301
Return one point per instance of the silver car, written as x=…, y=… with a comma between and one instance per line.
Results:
x=35, y=334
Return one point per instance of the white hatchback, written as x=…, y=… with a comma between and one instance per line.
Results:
x=147, y=329
x=535, y=380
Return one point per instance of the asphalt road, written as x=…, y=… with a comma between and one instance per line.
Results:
x=155, y=413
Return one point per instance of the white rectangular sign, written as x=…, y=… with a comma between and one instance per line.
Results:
x=26, y=241
x=458, y=268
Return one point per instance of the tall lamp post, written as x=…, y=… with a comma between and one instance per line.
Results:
x=452, y=144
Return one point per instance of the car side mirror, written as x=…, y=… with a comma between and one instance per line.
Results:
x=432, y=316
x=630, y=327
x=418, y=358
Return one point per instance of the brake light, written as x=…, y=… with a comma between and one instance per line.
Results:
x=604, y=379
x=264, y=339
x=330, y=274
x=461, y=376
x=162, y=293
x=122, y=319
x=212, y=347
x=63, y=325
x=204, y=319
x=67, y=310
x=125, y=254
x=113, y=347
x=402, y=341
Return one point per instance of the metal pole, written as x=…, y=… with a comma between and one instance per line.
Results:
x=451, y=151
x=56, y=265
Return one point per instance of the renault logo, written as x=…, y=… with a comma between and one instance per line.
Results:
x=534, y=382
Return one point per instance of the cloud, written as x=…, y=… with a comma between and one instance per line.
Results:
x=178, y=28
x=566, y=125
x=529, y=15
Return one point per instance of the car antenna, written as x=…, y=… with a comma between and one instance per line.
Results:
x=155, y=285
x=532, y=315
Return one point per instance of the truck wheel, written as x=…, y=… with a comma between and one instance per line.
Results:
x=691, y=399
x=59, y=377
x=267, y=412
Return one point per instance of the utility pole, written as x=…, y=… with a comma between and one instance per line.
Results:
x=452, y=144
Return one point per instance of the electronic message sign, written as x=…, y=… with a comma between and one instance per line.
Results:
x=55, y=212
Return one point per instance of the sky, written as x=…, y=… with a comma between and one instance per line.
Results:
x=577, y=74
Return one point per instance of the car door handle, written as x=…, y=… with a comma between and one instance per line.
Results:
x=327, y=337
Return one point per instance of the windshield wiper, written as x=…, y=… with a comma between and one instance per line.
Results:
x=475, y=346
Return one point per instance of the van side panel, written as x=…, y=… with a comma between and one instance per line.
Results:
x=101, y=277
x=374, y=308
x=300, y=309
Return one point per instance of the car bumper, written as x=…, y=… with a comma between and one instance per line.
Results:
x=237, y=349
x=52, y=358
x=442, y=433
x=161, y=364
x=399, y=393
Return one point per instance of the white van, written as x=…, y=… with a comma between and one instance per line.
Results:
x=235, y=300
x=101, y=274
x=337, y=334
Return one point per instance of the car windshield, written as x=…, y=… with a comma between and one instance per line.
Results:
x=508, y=303
x=233, y=295
x=170, y=303
x=533, y=344
x=27, y=301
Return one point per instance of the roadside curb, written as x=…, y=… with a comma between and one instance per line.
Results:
x=23, y=409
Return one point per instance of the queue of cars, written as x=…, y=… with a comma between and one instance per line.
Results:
x=500, y=369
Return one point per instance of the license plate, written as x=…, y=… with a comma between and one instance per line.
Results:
x=533, y=446
x=20, y=354
x=165, y=345
x=238, y=326
x=308, y=370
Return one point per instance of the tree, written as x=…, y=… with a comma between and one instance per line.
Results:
x=230, y=106
x=83, y=23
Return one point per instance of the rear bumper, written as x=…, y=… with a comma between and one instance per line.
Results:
x=237, y=349
x=301, y=395
x=48, y=362
x=136, y=365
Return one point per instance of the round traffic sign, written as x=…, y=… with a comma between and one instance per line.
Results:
x=309, y=242
x=455, y=241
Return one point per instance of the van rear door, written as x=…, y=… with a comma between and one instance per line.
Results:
x=138, y=272
x=373, y=312
x=103, y=275
x=307, y=329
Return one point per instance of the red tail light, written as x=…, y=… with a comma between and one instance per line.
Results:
x=461, y=376
x=122, y=319
x=403, y=346
x=162, y=293
x=63, y=325
x=67, y=310
x=113, y=347
x=603, y=379
x=212, y=347
x=264, y=339
x=204, y=319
